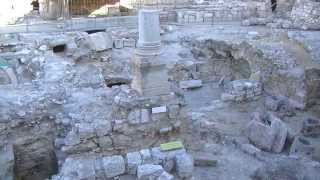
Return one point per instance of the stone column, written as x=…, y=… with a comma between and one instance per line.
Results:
x=149, y=33
x=150, y=72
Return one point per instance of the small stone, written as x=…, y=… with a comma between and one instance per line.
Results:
x=204, y=160
x=190, y=84
x=165, y=130
x=118, y=43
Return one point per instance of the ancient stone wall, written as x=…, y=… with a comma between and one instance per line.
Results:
x=306, y=14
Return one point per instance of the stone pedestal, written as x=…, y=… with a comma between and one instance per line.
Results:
x=149, y=33
x=150, y=72
x=150, y=78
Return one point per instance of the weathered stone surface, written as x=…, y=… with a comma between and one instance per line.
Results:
x=118, y=43
x=242, y=90
x=113, y=166
x=149, y=172
x=305, y=14
x=267, y=133
x=133, y=161
x=204, y=160
x=100, y=41
x=159, y=156
x=287, y=168
x=311, y=127
x=165, y=176
x=306, y=147
x=184, y=165
x=6, y=162
x=146, y=156
x=190, y=84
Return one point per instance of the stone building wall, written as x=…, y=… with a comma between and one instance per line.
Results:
x=306, y=14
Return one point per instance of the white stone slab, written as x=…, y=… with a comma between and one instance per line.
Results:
x=161, y=109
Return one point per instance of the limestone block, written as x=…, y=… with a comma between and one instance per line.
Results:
x=159, y=156
x=190, y=84
x=184, y=165
x=149, y=171
x=133, y=161
x=268, y=133
x=146, y=156
x=280, y=130
x=113, y=166
x=100, y=41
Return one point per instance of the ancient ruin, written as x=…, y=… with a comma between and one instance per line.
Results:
x=160, y=90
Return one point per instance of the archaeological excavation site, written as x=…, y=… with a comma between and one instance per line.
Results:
x=160, y=90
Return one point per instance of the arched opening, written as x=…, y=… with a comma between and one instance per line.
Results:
x=273, y=5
